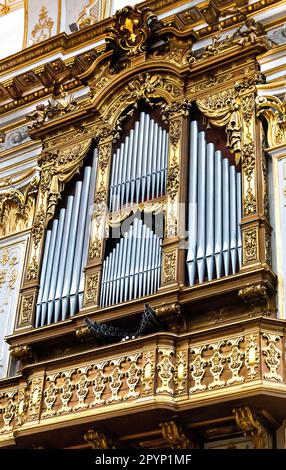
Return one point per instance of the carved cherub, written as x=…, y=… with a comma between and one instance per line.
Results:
x=37, y=117
x=250, y=31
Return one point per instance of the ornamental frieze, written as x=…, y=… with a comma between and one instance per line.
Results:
x=209, y=368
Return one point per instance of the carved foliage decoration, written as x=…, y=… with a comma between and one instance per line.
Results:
x=216, y=365
x=235, y=361
x=169, y=265
x=250, y=245
x=197, y=368
x=272, y=356
x=252, y=356
x=166, y=368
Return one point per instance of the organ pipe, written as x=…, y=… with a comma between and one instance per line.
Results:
x=139, y=165
x=137, y=272
x=65, y=254
x=214, y=212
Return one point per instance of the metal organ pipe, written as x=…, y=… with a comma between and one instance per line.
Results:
x=139, y=165
x=214, y=213
x=140, y=253
x=65, y=253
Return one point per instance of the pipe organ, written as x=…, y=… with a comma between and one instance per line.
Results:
x=65, y=253
x=139, y=166
x=214, y=245
x=133, y=267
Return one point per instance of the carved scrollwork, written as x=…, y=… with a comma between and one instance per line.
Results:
x=274, y=111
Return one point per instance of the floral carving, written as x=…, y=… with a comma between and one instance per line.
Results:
x=272, y=357
x=216, y=365
x=26, y=311
x=91, y=289
x=173, y=182
x=169, y=265
x=197, y=368
x=235, y=361
x=166, y=368
x=250, y=246
x=252, y=356
x=133, y=376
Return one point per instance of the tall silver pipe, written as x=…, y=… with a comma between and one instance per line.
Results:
x=150, y=157
x=154, y=158
x=55, y=266
x=225, y=214
x=158, y=160
x=71, y=250
x=127, y=272
x=233, y=221
x=124, y=170
x=144, y=250
x=133, y=168
x=238, y=207
x=133, y=258
x=110, y=277
x=122, y=284
x=139, y=155
x=146, y=144
x=129, y=165
x=43, y=278
x=218, y=213
x=88, y=221
x=78, y=253
x=63, y=257
x=210, y=211
x=49, y=273
x=201, y=206
x=193, y=202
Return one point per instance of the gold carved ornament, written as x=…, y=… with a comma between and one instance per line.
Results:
x=248, y=422
x=17, y=207
x=58, y=168
x=166, y=368
x=223, y=109
x=272, y=354
x=174, y=434
x=131, y=30
x=273, y=110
